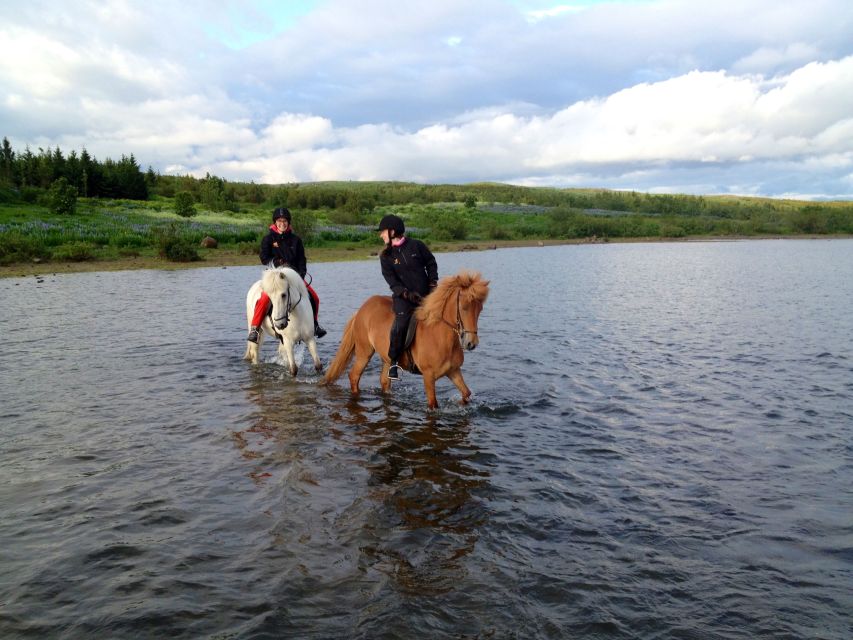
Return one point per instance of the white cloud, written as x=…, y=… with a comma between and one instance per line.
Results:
x=652, y=96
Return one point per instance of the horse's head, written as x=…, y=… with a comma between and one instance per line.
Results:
x=457, y=302
x=276, y=285
x=470, y=301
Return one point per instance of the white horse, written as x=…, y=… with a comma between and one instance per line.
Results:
x=291, y=320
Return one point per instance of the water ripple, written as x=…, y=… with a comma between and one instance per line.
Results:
x=646, y=460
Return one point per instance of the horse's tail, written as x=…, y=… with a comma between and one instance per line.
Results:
x=344, y=355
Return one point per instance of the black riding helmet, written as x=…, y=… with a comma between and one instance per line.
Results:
x=281, y=212
x=395, y=223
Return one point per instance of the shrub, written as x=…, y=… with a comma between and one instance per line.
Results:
x=305, y=224
x=172, y=246
x=8, y=195
x=494, y=231
x=185, y=204
x=344, y=216
x=62, y=197
x=449, y=225
x=75, y=252
x=16, y=247
x=30, y=195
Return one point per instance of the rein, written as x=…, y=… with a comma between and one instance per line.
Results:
x=459, y=329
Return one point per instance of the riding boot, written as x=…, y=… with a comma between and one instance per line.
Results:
x=319, y=331
x=254, y=335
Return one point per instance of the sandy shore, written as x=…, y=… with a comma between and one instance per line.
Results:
x=224, y=258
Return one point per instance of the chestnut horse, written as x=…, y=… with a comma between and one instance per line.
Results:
x=447, y=323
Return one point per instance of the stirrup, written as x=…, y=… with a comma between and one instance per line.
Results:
x=254, y=335
x=394, y=372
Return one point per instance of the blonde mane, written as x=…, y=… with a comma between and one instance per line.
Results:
x=469, y=284
x=274, y=282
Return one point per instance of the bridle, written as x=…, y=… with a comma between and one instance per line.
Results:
x=459, y=329
x=288, y=308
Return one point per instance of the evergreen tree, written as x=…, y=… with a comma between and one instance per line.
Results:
x=7, y=164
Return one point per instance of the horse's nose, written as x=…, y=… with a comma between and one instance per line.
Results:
x=281, y=325
x=471, y=346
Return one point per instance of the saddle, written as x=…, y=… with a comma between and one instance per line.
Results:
x=407, y=343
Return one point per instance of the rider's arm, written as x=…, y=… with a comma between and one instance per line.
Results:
x=430, y=264
x=266, y=250
x=300, y=264
x=390, y=275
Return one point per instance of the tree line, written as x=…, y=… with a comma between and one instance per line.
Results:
x=25, y=175
x=29, y=174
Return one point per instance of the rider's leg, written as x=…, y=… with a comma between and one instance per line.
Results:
x=315, y=307
x=261, y=308
x=402, y=313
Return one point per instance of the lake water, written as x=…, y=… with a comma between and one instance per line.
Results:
x=660, y=445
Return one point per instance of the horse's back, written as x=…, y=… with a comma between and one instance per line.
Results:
x=376, y=303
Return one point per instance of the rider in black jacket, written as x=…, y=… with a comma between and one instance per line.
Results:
x=283, y=248
x=410, y=269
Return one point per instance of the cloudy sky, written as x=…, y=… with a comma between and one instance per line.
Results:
x=749, y=97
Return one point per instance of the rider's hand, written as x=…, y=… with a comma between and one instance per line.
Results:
x=278, y=262
x=415, y=297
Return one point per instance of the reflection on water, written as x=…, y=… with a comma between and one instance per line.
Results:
x=422, y=486
x=658, y=446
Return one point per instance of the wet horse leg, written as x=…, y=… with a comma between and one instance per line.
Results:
x=312, y=348
x=384, y=380
x=456, y=378
x=362, y=357
x=429, y=387
x=285, y=349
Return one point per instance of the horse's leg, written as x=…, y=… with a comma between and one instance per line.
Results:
x=456, y=378
x=312, y=348
x=285, y=349
x=429, y=387
x=253, y=350
x=384, y=380
x=362, y=357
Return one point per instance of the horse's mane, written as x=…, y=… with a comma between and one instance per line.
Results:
x=272, y=282
x=470, y=285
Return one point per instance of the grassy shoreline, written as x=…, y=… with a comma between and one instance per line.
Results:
x=212, y=258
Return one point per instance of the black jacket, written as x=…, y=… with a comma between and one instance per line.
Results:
x=284, y=249
x=411, y=266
